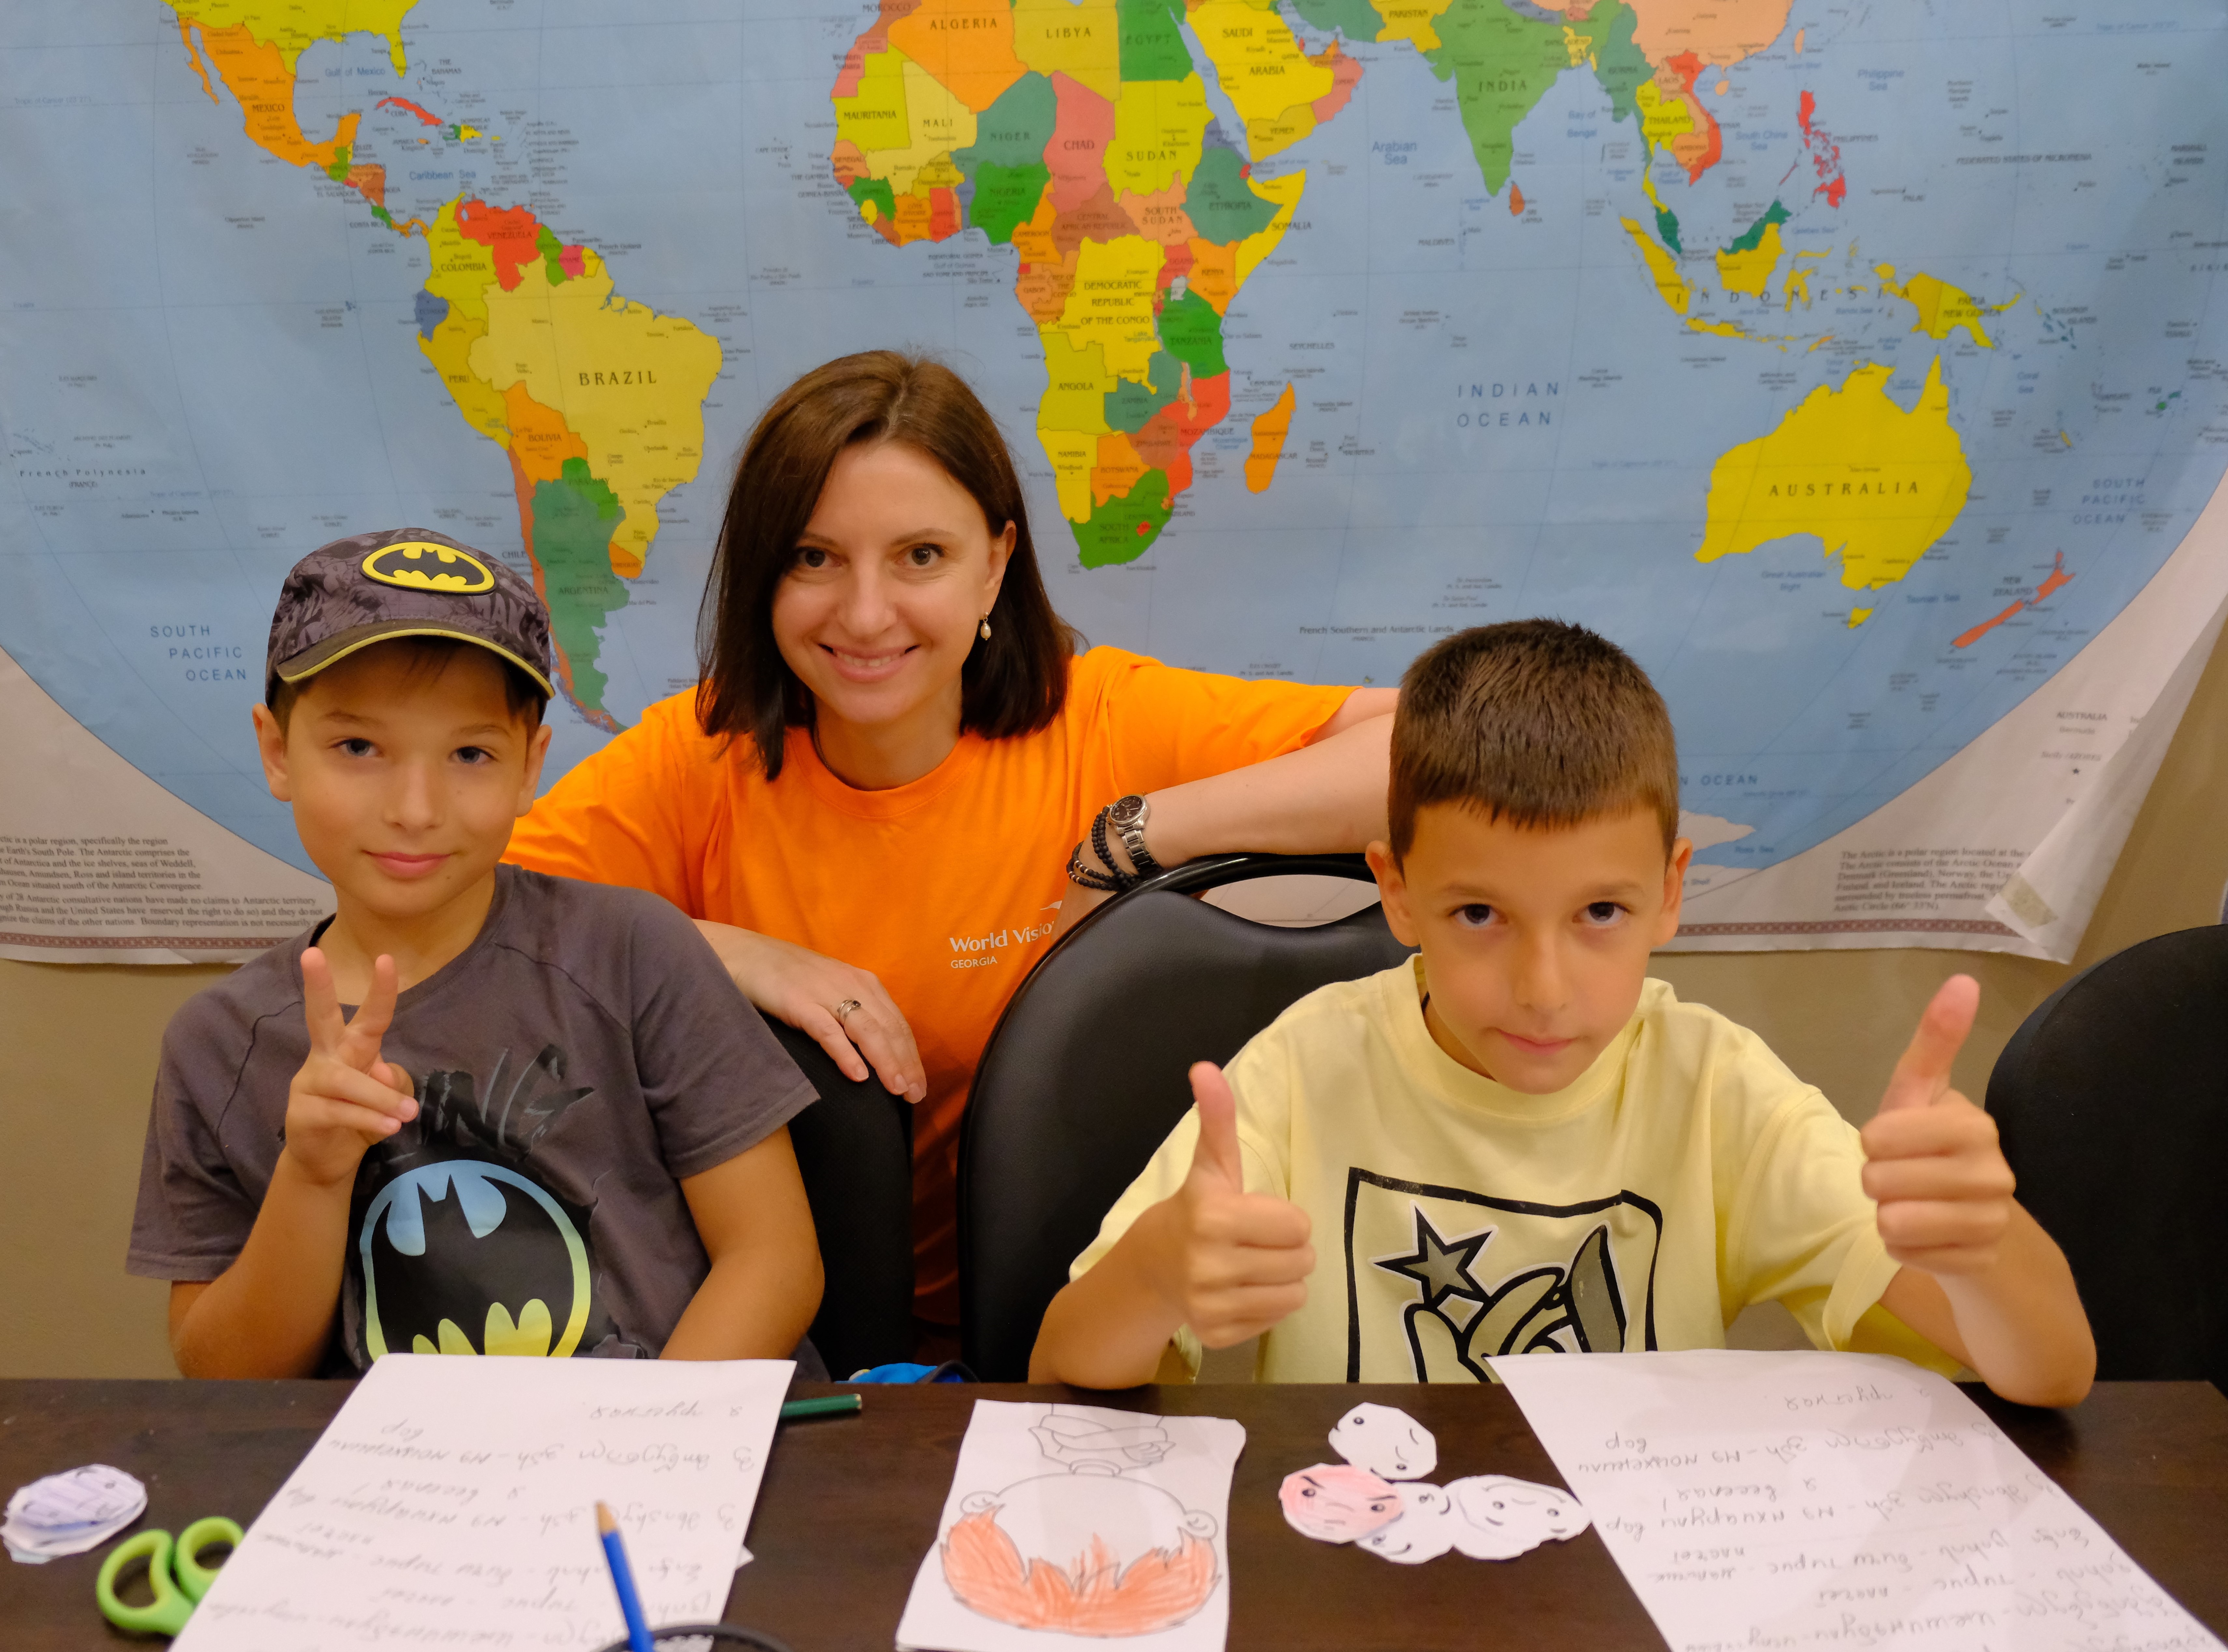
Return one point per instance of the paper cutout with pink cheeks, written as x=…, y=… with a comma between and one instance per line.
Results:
x=1336, y=1502
x=1387, y=1441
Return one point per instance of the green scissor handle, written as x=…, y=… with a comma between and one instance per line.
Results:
x=173, y=1602
x=193, y=1577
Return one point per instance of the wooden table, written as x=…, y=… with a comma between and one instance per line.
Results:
x=851, y=1504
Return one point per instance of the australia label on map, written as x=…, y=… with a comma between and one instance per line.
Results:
x=1856, y=368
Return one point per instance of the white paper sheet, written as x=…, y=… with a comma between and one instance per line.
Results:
x=1799, y=1500
x=452, y=1502
x=1069, y=1527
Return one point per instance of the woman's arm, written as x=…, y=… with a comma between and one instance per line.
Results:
x=1328, y=798
x=1362, y=706
x=763, y=1288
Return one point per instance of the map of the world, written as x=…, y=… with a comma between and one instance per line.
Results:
x=1855, y=364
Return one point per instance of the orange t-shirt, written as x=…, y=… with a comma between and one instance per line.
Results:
x=946, y=888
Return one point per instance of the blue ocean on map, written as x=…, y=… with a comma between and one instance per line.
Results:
x=1972, y=250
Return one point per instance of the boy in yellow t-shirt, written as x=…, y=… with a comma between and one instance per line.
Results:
x=1518, y=1142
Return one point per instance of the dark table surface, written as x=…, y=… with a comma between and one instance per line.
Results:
x=851, y=1504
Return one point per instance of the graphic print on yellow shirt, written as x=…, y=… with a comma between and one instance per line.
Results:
x=1684, y=1175
x=1466, y=1276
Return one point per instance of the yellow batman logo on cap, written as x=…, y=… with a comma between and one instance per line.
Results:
x=416, y=566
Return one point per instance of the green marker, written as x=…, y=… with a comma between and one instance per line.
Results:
x=833, y=1405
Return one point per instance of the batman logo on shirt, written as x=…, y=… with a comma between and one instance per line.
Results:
x=1441, y=1279
x=464, y=1256
x=462, y=1246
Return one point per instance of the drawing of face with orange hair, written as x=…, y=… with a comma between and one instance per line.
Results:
x=1336, y=1502
x=1114, y=1557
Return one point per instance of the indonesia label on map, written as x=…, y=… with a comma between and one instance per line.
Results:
x=1856, y=368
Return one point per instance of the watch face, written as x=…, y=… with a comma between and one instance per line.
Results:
x=1127, y=811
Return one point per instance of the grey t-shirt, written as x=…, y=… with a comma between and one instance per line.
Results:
x=583, y=1054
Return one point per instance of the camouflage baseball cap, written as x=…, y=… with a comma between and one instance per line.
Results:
x=408, y=582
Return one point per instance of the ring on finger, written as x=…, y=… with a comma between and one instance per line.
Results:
x=846, y=1007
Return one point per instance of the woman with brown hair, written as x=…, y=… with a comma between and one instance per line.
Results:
x=873, y=801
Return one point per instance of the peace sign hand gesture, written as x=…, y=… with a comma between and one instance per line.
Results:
x=345, y=1098
x=1944, y=1189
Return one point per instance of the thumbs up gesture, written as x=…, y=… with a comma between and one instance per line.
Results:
x=1933, y=1164
x=344, y=1097
x=1240, y=1260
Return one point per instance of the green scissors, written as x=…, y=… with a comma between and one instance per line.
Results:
x=174, y=1602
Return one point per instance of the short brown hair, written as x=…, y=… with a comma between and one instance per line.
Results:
x=1533, y=720
x=524, y=696
x=1014, y=683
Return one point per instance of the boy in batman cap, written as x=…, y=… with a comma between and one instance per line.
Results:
x=552, y=1126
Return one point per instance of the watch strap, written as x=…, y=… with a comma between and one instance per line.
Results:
x=1131, y=826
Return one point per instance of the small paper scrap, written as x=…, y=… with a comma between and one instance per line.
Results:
x=71, y=1512
x=1486, y=1516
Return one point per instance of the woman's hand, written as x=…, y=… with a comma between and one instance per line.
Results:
x=803, y=988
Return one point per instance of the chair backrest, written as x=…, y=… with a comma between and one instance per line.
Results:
x=1084, y=1075
x=854, y=1154
x=2112, y=1102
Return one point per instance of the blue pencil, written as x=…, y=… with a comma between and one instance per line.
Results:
x=622, y=1580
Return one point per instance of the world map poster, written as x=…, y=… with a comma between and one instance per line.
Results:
x=1855, y=365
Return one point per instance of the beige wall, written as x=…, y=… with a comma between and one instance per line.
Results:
x=78, y=1046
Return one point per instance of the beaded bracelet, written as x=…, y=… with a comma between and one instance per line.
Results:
x=1112, y=880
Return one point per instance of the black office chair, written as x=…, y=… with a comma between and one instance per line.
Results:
x=2112, y=1101
x=1084, y=1074
x=854, y=1153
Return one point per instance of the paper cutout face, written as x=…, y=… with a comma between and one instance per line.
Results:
x=1336, y=1502
x=1388, y=1442
x=1499, y=1518
x=1424, y=1531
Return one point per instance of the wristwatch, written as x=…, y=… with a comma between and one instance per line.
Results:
x=1128, y=815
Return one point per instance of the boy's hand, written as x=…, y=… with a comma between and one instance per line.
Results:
x=345, y=1098
x=1245, y=1257
x=1944, y=1189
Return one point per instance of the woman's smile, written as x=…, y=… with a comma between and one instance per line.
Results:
x=854, y=665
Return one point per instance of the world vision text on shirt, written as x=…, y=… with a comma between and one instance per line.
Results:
x=979, y=951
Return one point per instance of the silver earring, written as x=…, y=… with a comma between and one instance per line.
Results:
x=984, y=632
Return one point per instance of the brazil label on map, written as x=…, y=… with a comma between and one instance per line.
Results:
x=1857, y=368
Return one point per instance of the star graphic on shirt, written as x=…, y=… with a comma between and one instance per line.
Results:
x=1442, y=1269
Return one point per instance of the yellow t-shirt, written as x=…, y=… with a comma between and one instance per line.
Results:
x=1686, y=1174
x=946, y=888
